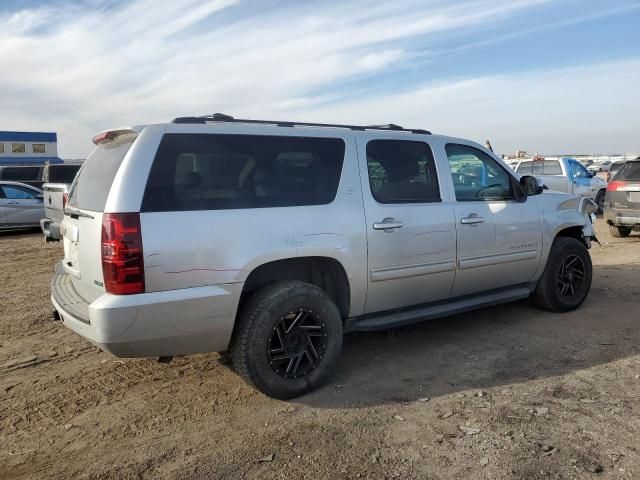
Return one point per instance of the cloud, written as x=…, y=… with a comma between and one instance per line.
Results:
x=79, y=68
x=583, y=109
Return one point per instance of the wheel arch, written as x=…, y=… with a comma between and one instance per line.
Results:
x=326, y=273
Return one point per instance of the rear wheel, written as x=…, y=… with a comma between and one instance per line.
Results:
x=566, y=280
x=288, y=339
x=619, y=232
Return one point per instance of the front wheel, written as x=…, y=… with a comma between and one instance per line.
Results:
x=288, y=339
x=566, y=279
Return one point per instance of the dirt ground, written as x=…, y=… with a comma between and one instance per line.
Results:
x=508, y=392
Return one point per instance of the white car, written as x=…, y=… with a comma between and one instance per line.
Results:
x=566, y=175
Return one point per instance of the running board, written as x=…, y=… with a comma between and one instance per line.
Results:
x=421, y=313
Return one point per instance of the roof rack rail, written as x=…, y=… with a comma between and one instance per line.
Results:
x=221, y=117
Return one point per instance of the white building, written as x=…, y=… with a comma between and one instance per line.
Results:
x=28, y=148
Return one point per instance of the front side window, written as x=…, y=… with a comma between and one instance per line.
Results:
x=578, y=170
x=402, y=172
x=13, y=192
x=17, y=148
x=217, y=172
x=38, y=148
x=476, y=176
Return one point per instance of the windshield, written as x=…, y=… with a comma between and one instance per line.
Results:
x=91, y=187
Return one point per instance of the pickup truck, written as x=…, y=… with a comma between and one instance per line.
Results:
x=566, y=175
x=58, y=180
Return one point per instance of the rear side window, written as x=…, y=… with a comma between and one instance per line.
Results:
x=402, y=172
x=61, y=173
x=216, y=172
x=630, y=171
x=91, y=188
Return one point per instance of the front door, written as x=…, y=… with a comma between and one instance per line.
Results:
x=22, y=205
x=581, y=180
x=410, y=233
x=499, y=238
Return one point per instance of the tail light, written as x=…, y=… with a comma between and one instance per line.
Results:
x=122, y=260
x=616, y=186
x=65, y=197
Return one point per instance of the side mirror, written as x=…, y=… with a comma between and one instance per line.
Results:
x=531, y=185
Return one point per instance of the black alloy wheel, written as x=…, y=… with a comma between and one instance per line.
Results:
x=571, y=276
x=297, y=344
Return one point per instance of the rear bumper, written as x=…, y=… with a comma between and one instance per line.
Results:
x=174, y=322
x=50, y=229
x=622, y=218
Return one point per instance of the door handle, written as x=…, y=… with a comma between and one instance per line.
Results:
x=471, y=219
x=12, y=203
x=388, y=225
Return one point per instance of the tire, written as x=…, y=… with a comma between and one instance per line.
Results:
x=282, y=330
x=600, y=200
x=619, y=232
x=569, y=263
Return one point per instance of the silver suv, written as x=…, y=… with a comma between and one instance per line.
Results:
x=270, y=240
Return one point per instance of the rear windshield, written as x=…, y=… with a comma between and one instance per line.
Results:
x=630, y=171
x=61, y=173
x=214, y=172
x=20, y=173
x=91, y=187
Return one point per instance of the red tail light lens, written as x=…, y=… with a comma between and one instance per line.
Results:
x=65, y=197
x=122, y=260
x=616, y=185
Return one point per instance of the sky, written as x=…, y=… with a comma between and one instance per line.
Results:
x=543, y=76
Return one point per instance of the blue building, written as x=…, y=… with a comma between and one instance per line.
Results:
x=28, y=148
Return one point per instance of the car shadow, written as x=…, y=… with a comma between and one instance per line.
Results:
x=491, y=347
x=19, y=232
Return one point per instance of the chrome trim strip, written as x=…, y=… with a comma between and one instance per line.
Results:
x=487, y=260
x=406, y=271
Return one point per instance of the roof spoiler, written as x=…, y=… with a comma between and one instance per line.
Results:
x=110, y=135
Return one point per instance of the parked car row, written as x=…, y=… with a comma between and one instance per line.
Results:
x=33, y=196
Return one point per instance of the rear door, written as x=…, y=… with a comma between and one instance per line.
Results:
x=22, y=205
x=499, y=238
x=410, y=233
